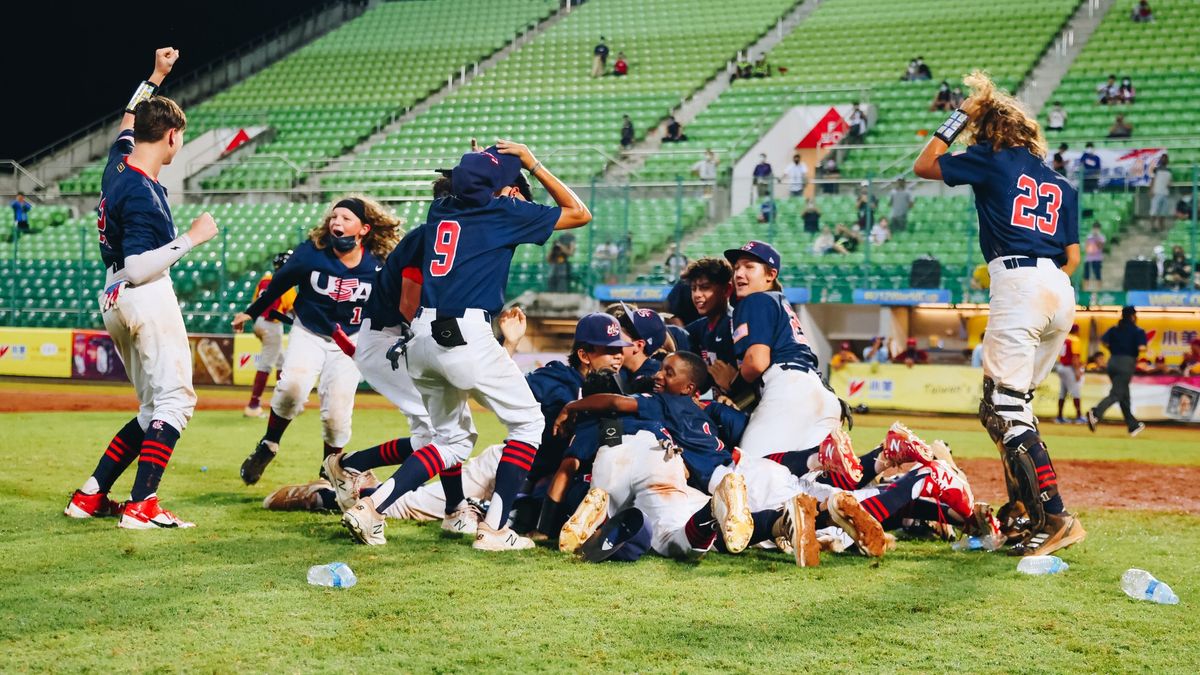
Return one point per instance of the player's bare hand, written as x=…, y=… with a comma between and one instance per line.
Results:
x=728, y=401
x=512, y=325
x=239, y=320
x=564, y=421
x=164, y=60
x=203, y=229
x=507, y=147
x=723, y=374
x=475, y=147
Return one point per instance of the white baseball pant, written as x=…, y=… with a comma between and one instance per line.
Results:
x=428, y=502
x=147, y=329
x=1069, y=382
x=308, y=357
x=270, y=333
x=395, y=385
x=796, y=412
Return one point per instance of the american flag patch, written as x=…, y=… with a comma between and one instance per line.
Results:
x=741, y=331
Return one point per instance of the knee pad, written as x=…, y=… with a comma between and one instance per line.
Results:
x=1001, y=417
x=1021, y=466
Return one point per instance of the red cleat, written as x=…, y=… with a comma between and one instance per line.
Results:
x=950, y=490
x=902, y=446
x=148, y=514
x=92, y=506
x=836, y=455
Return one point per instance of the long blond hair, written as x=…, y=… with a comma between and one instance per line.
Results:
x=385, y=226
x=1001, y=119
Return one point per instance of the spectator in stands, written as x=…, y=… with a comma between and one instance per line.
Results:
x=761, y=67
x=1120, y=128
x=21, y=209
x=743, y=71
x=910, y=73
x=957, y=98
x=625, y=248
x=1109, y=92
x=902, y=201
x=1059, y=163
x=858, y=126
x=706, y=168
x=847, y=239
x=1091, y=168
x=923, y=72
x=674, y=131
x=977, y=352
x=844, y=356
x=604, y=259
x=600, y=58
x=676, y=261
x=811, y=217
x=1057, y=119
x=981, y=278
x=828, y=169
x=825, y=243
x=941, y=99
x=796, y=175
x=1142, y=13
x=1177, y=273
x=767, y=210
x=868, y=204
x=1160, y=195
x=911, y=355
x=626, y=132
x=877, y=351
x=1124, y=341
x=1093, y=255
x=880, y=232
x=764, y=177
x=621, y=67
x=559, y=259
x=1160, y=260
x=1126, y=94
x=1191, y=360
x=1183, y=208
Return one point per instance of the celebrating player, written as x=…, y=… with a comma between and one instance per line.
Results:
x=334, y=271
x=138, y=244
x=464, y=251
x=268, y=328
x=1030, y=237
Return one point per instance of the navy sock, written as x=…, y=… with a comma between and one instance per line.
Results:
x=157, y=447
x=515, y=462
x=701, y=528
x=425, y=463
x=1046, y=476
x=795, y=461
x=330, y=450
x=894, y=498
x=119, y=454
x=276, y=425
x=452, y=487
x=868, y=465
x=393, y=452
x=763, y=522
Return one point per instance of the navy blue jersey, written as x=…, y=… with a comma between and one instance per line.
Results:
x=640, y=381
x=731, y=422
x=328, y=292
x=133, y=214
x=553, y=385
x=766, y=318
x=383, y=306
x=713, y=340
x=585, y=441
x=690, y=429
x=468, y=249
x=1025, y=207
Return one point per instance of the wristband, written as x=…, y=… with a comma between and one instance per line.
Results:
x=534, y=169
x=953, y=126
x=144, y=91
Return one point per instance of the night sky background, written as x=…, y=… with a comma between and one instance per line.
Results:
x=68, y=64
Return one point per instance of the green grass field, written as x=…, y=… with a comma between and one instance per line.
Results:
x=230, y=595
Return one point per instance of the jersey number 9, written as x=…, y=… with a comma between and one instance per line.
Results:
x=445, y=246
x=1028, y=199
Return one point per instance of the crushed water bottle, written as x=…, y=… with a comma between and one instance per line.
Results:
x=335, y=574
x=968, y=544
x=1141, y=585
x=1042, y=564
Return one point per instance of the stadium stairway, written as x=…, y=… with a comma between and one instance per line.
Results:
x=1045, y=77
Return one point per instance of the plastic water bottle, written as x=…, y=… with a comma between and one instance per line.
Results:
x=1042, y=564
x=1141, y=585
x=968, y=544
x=335, y=574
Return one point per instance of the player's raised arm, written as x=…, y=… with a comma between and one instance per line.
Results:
x=927, y=165
x=164, y=60
x=574, y=212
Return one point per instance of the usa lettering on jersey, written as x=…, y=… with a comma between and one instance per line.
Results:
x=340, y=290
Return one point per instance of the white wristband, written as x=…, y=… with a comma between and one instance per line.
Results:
x=144, y=91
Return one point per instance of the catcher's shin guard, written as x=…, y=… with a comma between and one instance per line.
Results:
x=1019, y=463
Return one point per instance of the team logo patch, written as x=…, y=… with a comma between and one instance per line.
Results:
x=741, y=332
x=857, y=386
x=613, y=329
x=645, y=313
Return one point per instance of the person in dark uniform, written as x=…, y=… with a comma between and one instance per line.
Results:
x=1124, y=341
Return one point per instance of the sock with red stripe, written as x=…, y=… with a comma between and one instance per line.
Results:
x=795, y=461
x=1046, y=476
x=701, y=528
x=276, y=425
x=117, y=457
x=423, y=464
x=391, y=453
x=260, y=383
x=452, y=487
x=157, y=447
x=515, y=462
x=895, y=497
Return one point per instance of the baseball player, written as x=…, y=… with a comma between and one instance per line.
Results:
x=334, y=271
x=711, y=336
x=1030, y=238
x=1069, y=368
x=268, y=328
x=138, y=244
x=464, y=251
x=646, y=333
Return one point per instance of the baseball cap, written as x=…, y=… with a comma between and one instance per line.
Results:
x=679, y=334
x=599, y=330
x=760, y=250
x=646, y=325
x=912, y=342
x=624, y=538
x=480, y=174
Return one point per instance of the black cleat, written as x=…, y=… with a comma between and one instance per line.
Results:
x=256, y=463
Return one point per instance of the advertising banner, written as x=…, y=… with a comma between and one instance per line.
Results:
x=247, y=351
x=1130, y=167
x=212, y=359
x=94, y=357
x=36, y=352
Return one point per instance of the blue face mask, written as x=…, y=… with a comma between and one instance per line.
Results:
x=344, y=243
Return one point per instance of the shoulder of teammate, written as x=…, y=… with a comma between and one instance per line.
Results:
x=122, y=145
x=526, y=222
x=754, y=319
x=410, y=251
x=968, y=167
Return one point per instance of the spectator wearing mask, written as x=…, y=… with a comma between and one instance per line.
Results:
x=1126, y=94
x=858, y=126
x=1142, y=13
x=1177, y=272
x=911, y=355
x=1109, y=92
x=1093, y=254
x=1183, y=208
x=796, y=175
x=902, y=201
x=674, y=131
x=600, y=58
x=763, y=176
x=829, y=170
x=1090, y=162
x=1160, y=195
x=910, y=73
x=621, y=67
x=877, y=351
x=21, y=209
x=626, y=132
x=811, y=217
x=1124, y=341
x=1057, y=119
x=706, y=168
x=923, y=72
x=942, y=98
x=867, y=205
x=880, y=232
x=1120, y=128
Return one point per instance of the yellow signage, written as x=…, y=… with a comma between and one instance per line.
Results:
x=246, y=353
x=35, y=352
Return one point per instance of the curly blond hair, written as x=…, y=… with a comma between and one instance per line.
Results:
x=1001, y=119
x=386, y=227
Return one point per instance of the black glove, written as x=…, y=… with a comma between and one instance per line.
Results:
x=399, y=350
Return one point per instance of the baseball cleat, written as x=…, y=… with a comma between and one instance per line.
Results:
x=834, y=539
x=148, y=514
x=849, y=515
x=366, y=524
x=588, y=518
x=1141, y=426
x=345, y=483
x=464, y=520
x=948, y=489
x=1092, y=420
x=91, y=506
x=252, y=411
x=781, y=532
x=731, y=509
x=941, y=452
x=256, y=463
x=902, y=446
x=488, y=539
x=306, y=497
x=801, y=510
x=836, y=455
x=985, y=525
x=1060, y=531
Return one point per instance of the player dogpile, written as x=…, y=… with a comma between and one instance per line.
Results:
x=648, y=437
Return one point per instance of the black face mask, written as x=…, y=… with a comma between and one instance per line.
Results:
x=343, y=244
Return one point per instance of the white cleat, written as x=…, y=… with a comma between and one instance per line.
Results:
x=464, y=520
x=148, y=514
x=582, y=524
x=488, y=539
x=731, y=509
x=252, y=411
x=345, y=483
x=365, y=523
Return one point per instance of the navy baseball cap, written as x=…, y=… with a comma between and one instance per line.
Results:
x=624, y=538
x=600, y=330
x=757, y=249
x=647, y=325
x=683, y=341
x=479, y=175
